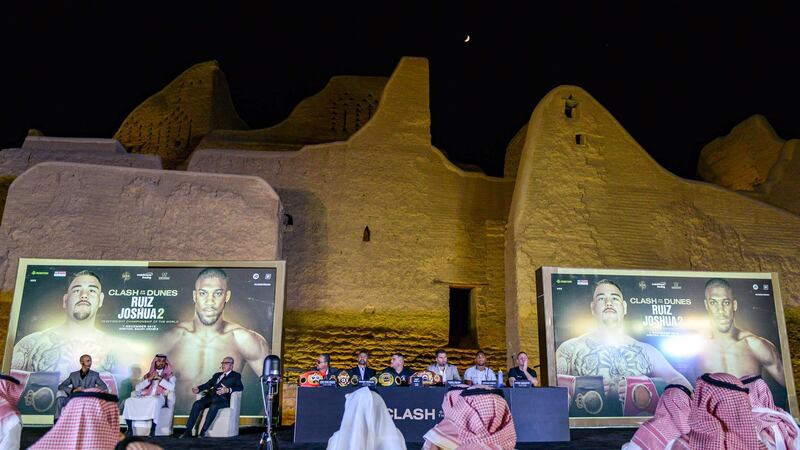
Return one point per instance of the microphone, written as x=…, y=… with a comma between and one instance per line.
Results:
x=272, y=368
x=271, y=375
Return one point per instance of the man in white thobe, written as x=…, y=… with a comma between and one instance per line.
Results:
x=151, y=394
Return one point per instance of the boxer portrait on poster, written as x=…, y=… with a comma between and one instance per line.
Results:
x=620, y=339
x=121, y=313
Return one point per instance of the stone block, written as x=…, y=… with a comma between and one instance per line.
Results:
x=81, y=211
x=67, y=144
x=14, y=161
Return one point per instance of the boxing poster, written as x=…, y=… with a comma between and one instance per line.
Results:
x=617, y=338
x=123, y=313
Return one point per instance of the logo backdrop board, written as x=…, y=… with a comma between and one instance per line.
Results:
x=646, y=329
x=139, y=309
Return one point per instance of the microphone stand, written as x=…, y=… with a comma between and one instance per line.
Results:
x=268, y=439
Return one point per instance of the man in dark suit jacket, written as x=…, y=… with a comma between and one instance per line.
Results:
x=217, y=396
x=361, y=370
x=78, y=381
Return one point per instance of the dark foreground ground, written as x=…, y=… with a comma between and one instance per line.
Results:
x=583, y=439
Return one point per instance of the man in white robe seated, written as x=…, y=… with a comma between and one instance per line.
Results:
x=10, y=423
x=366, y=424
x=151, y=394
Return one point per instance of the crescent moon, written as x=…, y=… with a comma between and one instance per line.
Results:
x=467, y=39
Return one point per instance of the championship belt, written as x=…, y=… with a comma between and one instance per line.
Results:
x=310, y=379
x=343, y=379
x=386, y=379
x=428, y=377
x=354, y=380
x=641, y=396
x=39, y=394
x=589, y=396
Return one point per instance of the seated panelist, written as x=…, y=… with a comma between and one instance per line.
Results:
x=361, y=370
x=151, y=394
x=447, y=372
x=217, y=395
x=397, y=374
x=522, y=372
x=77, y=381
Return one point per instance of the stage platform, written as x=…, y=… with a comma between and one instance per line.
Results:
x=584, y=439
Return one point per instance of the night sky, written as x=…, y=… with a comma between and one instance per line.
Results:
x=675, y=75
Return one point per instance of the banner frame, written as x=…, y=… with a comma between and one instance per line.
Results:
x=22, y=270
x=547, y=350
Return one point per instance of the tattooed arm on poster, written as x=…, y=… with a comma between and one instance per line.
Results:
x=588, y=356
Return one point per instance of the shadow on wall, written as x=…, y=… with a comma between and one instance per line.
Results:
x=305, y=236
x=5, y=182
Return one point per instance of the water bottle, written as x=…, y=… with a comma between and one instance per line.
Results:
x=500, y=382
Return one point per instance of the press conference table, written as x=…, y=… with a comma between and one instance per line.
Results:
x=540, y=414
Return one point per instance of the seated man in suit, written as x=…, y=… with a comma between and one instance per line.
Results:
x=78, y=381
x=323, y=366
x=448, y=372
x=361, y=370
x=217, y=396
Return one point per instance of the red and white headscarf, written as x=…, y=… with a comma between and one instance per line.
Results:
x=444, y=435
x=10, y=390
x=90, y=421
x=480, y=419
x=166, y=373
x=669, y=422
x=775, y=427
x=721, y=416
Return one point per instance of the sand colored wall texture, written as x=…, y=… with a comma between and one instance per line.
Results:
x=173, y=121
x=340, y=109
x=587, y=195
x=431, y=226
x=754, y=160
x=81, y=211
x=14, y=161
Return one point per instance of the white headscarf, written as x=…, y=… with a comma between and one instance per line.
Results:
x=366, y=424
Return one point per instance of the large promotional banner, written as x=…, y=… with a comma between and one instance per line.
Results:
x=123, y=313
x=617, y=338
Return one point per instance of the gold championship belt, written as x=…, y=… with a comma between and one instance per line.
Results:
x=354, y=380
x=590, y=401
x=310, y=379
x=589, y=397
x=428, y=377
x=343, y=379
x=386, y=379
